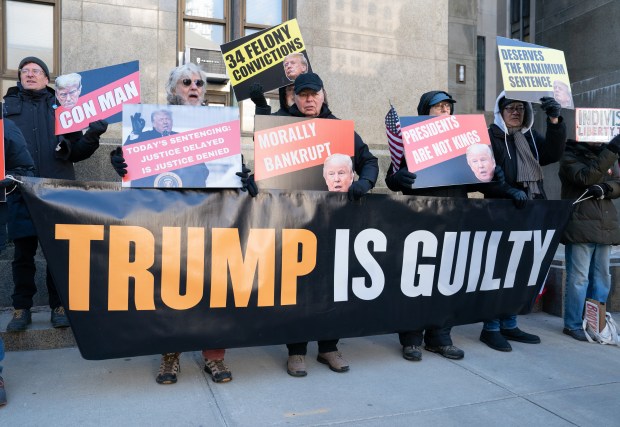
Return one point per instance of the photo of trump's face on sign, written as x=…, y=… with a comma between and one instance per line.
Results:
x=338, y=172
x=481, y=161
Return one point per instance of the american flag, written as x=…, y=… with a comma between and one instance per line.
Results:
x=395, y=137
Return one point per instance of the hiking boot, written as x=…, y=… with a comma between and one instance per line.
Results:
x=412, y=352
x=516, y=334
x=59, y=318
x=335, y=361
x=218, y=371
x=2, y=393
x=296, y=365
x=449, y=351
x=495, y=340
x=168, y=368
x=578, y=334
x=20, y=321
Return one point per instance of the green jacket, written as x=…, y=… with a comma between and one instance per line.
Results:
x=593, y=220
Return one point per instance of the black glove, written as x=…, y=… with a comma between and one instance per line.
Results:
x=518, y=197
x=118, y=161
x=99, y=127
x=257, y=96
x=137, y=124
x=404, y=178
x=614, y=144
x=62, y=148
x=247, y=181
x=597, y=191
x=359, y=188
x=550, y=106
x=498, y=175
x=6, y=183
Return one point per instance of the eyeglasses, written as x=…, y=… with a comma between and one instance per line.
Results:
x=35, y=71
x=188, y=82
x=444, y=105
x=511, y=110
x=64, y=95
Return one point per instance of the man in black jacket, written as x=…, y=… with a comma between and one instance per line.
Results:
x=31, y=105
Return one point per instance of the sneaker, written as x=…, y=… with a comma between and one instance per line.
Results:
x=218, y=371
x=169, y=368
x=296, y=365
x=412, y=352
x=335, y=361
x=495, y=340
x=449, y=351
x=20, y=321
x=59, y=318
x=578, y=334
x=2, y=393
x=516, y=334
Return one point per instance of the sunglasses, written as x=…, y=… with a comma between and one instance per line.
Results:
x=188, y=82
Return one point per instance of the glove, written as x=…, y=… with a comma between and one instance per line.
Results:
x=359, y=188
x=550, y=106
x=247, y=181
x=614, y=144
x=257, y=96
x=498, y=175
x=518, y=197
x=597, y=191
x=137, y=124
x=404, y=178
x=6, y=183
x=99, y=127
x=118, y=161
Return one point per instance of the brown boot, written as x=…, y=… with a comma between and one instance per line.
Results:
x=335, y=361
x=296, y=365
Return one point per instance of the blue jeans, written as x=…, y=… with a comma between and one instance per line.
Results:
x=587, y=276
x=509, y=322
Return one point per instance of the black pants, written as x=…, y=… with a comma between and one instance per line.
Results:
x=432, y=337
x=24, y=270
x=301, y=348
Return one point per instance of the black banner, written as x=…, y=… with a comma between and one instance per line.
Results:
x=145, y=271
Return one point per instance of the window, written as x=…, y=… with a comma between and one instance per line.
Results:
x=520, y=20
x=480, y=66
x=30, y=29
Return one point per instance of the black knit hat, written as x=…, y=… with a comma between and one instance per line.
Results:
x=506, y=101
x=34, y=60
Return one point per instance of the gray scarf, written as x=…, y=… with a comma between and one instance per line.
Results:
x=529, y=172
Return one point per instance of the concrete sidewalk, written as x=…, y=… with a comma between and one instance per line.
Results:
x=559, y=382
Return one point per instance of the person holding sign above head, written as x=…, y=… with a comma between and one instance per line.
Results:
x=31, y=106
x=521, y=152
x=186, y=86
x=68, y=89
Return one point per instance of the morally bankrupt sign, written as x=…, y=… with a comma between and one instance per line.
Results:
x=530, y=72
x=94, y=95
x=596, y=124
x=147, y=271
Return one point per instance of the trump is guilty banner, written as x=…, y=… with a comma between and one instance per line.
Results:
x=145, y=271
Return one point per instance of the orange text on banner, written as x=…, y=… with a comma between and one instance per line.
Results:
x=290, y=148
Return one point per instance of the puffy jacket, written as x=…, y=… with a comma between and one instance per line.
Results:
x=33, y=112
x=546, y=150
x=592, y=220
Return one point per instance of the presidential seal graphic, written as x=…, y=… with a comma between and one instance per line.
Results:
x=168, y=180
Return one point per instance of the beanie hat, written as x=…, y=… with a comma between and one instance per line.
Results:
x=34, y=60
x=506, y=101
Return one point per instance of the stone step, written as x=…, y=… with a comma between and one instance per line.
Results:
x=40, y=335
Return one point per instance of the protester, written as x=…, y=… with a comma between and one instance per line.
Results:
x=592, y=228
x=338, y=172
x=521, y=151
x=17, y=162
x=31, y=106
x=68, y=89
x=480, y=160
x=186, y=86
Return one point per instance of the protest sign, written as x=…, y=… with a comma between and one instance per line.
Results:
x=447, y=150
x=530, y=72
x=2, y=163
x=290, y=152
x=260, y=58
x=596, y=124
x=152, y=271
x=94, y=95
x=187, y=146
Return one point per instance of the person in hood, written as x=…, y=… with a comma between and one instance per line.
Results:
x=521, y=152
x=593, y=226
x=31, y=105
